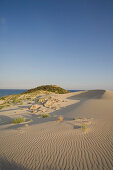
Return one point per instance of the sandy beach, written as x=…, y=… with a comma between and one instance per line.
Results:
x=82, y=141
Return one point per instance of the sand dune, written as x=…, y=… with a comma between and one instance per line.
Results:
x=48, y=144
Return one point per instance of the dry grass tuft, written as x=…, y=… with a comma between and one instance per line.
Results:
x=34, y=111
x=26, y=125
x=60, y=119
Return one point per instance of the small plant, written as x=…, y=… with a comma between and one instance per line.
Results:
x=3, y=98
x=4, y=106
x=21, y=103
x=45, y=115
x=28, y=98
x=60, y=119
x=1, y=107
x=41, y=100
x=14, y=101
x=26, y=125
x=19, y=120
x=75, y=118
x=83, y=127
x=56, y=108
x=54, y=115
x=29, y=102
x=43, y=110
x=34, y=111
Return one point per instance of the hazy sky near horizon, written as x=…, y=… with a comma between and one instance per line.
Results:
x=63, y=42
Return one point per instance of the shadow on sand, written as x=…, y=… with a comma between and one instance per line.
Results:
x=90, y=94
x=4, y=120
x=10, y=165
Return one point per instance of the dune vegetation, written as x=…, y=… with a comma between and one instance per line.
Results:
x=30, y=96
x=19, y=120
x=48, y=88
x=45, y=115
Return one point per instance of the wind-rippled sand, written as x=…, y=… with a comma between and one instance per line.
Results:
x=48, y=144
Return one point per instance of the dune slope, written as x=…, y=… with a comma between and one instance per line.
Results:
x=64, y=145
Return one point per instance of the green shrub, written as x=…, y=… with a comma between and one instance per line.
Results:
x=45, y=115
x=3, y=98
x=28, y=98
x=4, y=106
x=83, y=127
x=29, y=102
x=1, y=107
x=15, y=101
x=75, y=118
x=56, y=108
x=19, y=120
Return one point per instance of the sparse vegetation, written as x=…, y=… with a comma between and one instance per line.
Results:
x=83, y=127
x=75, y=118
x=4, y=106
x=41, y=100
x=45, y=115
x=2, y=98
x=15, y=100
x=34, y=111
x=29, y=102
x=19, y=120
x=1, y=107
x=30, y=96
x=56, y=108
x=34, y=107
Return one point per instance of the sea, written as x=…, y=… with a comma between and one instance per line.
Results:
x=6, y=92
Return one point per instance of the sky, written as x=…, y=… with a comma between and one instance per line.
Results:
x=64, y=42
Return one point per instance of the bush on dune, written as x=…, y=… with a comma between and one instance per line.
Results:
x=45, y=115
x=19, y=120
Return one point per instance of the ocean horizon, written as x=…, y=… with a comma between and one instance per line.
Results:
x=6, y=92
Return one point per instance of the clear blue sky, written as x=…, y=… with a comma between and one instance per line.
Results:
x=63, y=42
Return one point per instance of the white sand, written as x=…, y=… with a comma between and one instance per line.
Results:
x=47, y=144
